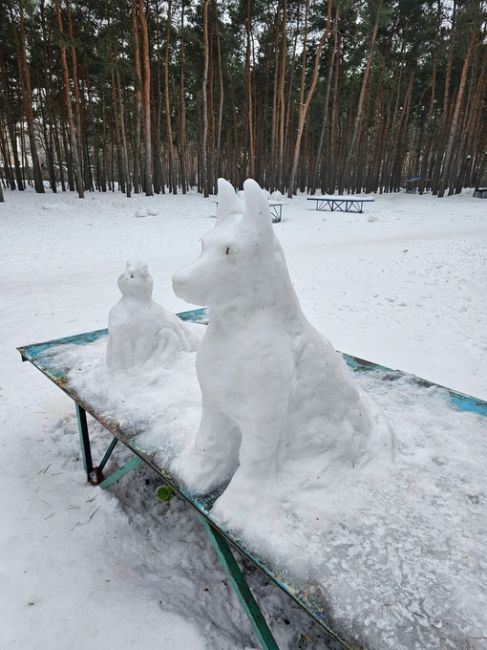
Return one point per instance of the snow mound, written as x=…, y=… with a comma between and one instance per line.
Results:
x=277, y=196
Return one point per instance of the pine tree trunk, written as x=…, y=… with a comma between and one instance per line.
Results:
x=349, y=162
x=290, y=82
x=182, y=106
x=455, y=117
x=120, y=121
x=324, y=125
x=439, y=145
x=306, y=104
x=248, y=92
x=47, y=136
x=69, y=110
x=204, y=146
x=51, y=146
x=474, y=147
x=221, y=98
x=167, y=102
x=24, y=74
x=77, y=99
x=282, y=98
x=10, y=122
x=146, y=103
x=4, y=149
x=275, y=103
x=159, y=177
x=329, y=182
x=138, y=98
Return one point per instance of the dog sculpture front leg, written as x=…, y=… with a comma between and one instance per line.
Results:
x=259, y=456
x=214, y=455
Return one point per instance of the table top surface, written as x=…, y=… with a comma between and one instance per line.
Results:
x=312, y=600
x=342, y=197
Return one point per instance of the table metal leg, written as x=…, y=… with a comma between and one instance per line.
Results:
x=240, y=587
x=108, y=453
x=84, y=438
x=94, y=475
x=117, y=474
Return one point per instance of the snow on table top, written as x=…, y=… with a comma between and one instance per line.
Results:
x=394, y=556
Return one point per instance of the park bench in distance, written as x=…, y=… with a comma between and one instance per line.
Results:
x=339, y=203
x=275, y=208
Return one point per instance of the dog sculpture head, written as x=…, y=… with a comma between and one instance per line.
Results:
x=136, y=281
x=238, y=256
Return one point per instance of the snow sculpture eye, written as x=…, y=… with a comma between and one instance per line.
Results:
x=131, y=275
x=227, y=251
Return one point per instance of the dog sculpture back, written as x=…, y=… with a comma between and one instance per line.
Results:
x=271, y=384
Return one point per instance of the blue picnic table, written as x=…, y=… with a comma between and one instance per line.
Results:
x=341, y=203
x=313, y=601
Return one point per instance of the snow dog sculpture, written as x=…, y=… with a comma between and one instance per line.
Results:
x=139, y=328
x=271, y=384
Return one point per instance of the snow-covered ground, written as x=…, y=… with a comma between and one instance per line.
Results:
x=402, y=284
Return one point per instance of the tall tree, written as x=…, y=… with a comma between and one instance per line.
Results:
x=25, y=80
x=204, y=146
x=138, y=95
x=146, y=98
x=304, y=105
x=73, y=135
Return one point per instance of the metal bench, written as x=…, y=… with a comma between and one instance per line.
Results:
x=276, y=211
x=341, y=203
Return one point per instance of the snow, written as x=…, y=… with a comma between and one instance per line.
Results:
x=258, y=336
x=406, y=290
x=141, y=332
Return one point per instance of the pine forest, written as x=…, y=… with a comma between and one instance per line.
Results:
x=303, y=95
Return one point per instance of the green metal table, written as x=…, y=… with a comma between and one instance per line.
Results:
x=221, y=539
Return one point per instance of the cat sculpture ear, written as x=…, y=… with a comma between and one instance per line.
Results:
x=257, y=212
x=129, y=265
x=228, y=201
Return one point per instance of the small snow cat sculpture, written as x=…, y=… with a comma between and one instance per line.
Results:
x=139, y=328
x=271, y=384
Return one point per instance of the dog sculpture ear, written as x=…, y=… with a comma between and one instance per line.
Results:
x=257, y=208
x=228, y=201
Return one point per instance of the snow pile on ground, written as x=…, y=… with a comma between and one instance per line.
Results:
x=122, y=569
